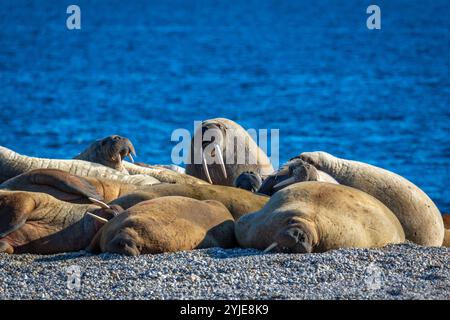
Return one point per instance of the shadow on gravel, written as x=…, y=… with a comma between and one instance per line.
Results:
x=63, y=257
x=218, y=253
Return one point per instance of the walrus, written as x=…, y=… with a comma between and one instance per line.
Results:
x=316, y=217
x=112, y=150
x=166, y=224
x=417, y=213
x=295, y=170
x=38, y=223
x=13, y=164
x=248, y=181
x=68, y=187
x=237, y=201
x=109, y=151
x=221, y=150
x=446, y=219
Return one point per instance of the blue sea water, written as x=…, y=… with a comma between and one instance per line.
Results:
x=310, y=68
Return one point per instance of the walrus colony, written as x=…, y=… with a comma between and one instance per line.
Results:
x=101, y=203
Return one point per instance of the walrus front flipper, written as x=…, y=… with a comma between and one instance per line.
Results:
x=65, y=182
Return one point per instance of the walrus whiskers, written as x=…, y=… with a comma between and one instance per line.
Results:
x=97, y=217
x=99, y=203
x=273, y=245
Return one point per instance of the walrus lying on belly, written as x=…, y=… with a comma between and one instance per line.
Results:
x=419, y=216
x=38, y=223
x=167, y=224
x=237, y=201
x=68, y=187
x=318, y=216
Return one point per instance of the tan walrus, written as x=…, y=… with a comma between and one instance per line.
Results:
x=111, y=152
x=38, y=223
x=167, y=224
x=318, y=216
x=68, y=187
x=238, y=201
x=221, y=150
x=417, y=213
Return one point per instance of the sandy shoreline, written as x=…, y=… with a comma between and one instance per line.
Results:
x=396, y=272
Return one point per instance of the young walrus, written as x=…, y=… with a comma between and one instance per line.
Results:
x=238, y=201
x=316, y=217
x=38, y=223
x=221, y=150
x=167, y=224
x=417, y=213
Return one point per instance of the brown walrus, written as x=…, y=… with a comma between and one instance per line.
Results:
x=446, y=219
x=38, y=223
x=68, y=187
x=221, y=150
x=318, y=216
x=295, y=170
x=167, y=224
x=109, y=151
x=417, y=213
x=238, y=201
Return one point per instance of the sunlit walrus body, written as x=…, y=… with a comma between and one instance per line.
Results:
x=316, y=217
x=167, y=224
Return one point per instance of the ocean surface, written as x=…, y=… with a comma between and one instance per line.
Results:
x=312, y=69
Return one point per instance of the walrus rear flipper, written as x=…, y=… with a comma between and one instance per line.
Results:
x=64, y=182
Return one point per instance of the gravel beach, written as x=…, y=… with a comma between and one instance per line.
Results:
x=402, y=271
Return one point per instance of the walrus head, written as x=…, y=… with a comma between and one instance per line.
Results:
x=109, y=151
x=248, y=180
x=298, y=171
x=213, y=147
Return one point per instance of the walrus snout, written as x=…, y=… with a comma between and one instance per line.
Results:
x=248, y=180
x=124, y=243
x=119, y=148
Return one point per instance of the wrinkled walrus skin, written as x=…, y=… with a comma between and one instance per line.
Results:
x=238, y=201
x=68, y=187
x=316, y=217
x=417, y=213
x=167, y=224
x=40, y=224
x=253, y=158
x=12, y=164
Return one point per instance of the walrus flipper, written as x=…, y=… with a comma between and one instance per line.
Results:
x=65, y=182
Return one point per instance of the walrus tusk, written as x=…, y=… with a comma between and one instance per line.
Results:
x=220, y=159
x=99, y=203
x=285, y=182
x=97, y=217
x=131, y=157
x=273, y=245
x=205, y=167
